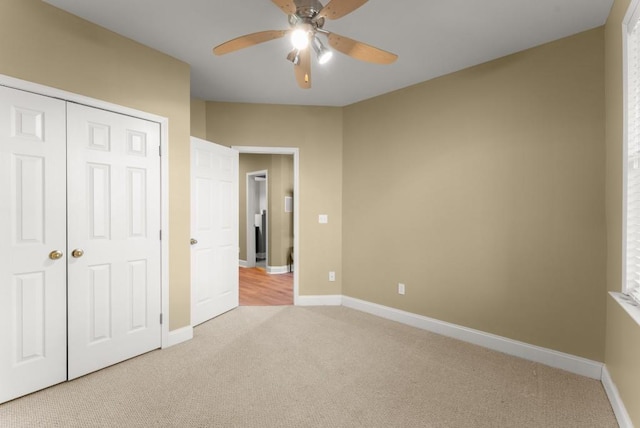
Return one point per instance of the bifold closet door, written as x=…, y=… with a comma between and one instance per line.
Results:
x=33, y=295
x=113, y=237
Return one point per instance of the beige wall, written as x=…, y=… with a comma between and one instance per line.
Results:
x=483, y=192
x=623, y=334
x=198, y=118
x=280, y=223
x=280, y=184
x=42, y=44
x=317, y=132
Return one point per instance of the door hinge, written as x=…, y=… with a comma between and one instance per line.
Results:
x=160, y=318
x=159, y=150
x=161, y=235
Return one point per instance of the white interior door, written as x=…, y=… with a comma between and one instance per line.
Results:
x=33, y=297
x=114, y=227
x=214, y=230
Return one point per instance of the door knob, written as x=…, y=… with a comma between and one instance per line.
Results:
x=55, y=255
x=193, y=241
x=77, y=253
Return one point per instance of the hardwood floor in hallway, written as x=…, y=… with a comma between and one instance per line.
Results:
x=258, y=288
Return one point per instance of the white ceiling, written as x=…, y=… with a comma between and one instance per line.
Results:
x=431, y=38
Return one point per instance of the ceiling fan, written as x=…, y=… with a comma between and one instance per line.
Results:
x=306, y=21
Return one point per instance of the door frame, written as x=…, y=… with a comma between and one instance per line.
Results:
x=250, y=232
x=12, y=82
x=296, y=202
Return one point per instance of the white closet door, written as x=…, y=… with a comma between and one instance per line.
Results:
x=214, y=226
x=114, y=227
x=32, y=227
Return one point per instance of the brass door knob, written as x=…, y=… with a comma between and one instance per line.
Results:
x=77, y=253
x=55, y=255
x=193, y=241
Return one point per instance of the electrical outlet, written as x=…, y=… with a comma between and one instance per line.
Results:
x=401, y=288
x=332, y=276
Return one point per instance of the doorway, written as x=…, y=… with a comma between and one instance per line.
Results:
x=257, y=226
x=281, y=253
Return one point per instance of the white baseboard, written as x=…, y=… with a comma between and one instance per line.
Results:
x=180, y=335
x=277, y=269
x=616, y=401
x=270, y=269
x=549, y=357
x=328, y=300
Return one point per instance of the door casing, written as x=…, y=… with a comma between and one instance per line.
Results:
x=167, y=339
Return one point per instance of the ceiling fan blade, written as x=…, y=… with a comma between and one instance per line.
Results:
x=248, y=40
x=303, y=69
x=287, y=6
x=338, y=8
x=359, y=50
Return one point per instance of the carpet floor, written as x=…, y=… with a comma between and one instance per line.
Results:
x=289, y=366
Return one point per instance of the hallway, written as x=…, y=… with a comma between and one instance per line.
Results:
x=258, y=288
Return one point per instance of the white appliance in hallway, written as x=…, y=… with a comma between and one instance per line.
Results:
x=214, y=230
x=108, y=210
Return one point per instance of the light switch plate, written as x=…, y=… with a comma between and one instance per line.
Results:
x=323, y=219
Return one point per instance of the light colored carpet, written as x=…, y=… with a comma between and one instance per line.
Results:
x=317, y=367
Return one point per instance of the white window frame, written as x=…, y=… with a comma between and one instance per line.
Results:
x=631, y=149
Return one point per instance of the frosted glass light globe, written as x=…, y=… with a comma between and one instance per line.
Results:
x=300, y=39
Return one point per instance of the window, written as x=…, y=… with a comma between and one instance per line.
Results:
x=632, y=157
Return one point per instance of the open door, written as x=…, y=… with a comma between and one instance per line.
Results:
x=214, y=230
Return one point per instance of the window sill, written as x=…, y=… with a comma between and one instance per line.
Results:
x=628, y=305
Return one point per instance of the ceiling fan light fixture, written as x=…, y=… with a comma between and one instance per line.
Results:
x=324, y=54
x=306, y=23
x=294, y=56
x=300, y=38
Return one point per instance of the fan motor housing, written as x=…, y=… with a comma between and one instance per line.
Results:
x=307, y=8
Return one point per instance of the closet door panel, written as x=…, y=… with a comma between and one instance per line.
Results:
x=32, y=243
x=114, y=219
